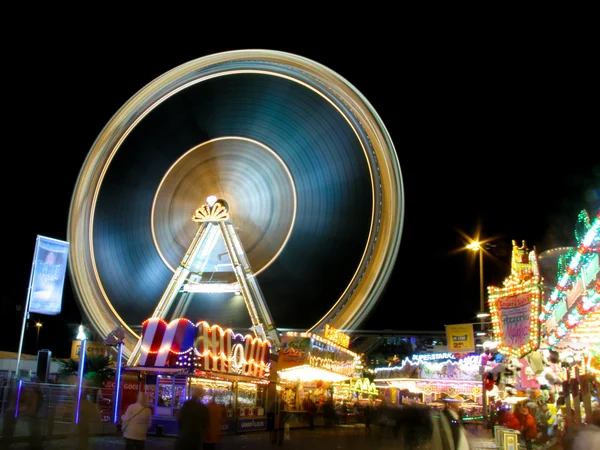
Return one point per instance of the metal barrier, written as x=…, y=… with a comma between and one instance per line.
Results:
x=55, y=414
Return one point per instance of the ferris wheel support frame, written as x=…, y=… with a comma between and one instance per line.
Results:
x=214, y=223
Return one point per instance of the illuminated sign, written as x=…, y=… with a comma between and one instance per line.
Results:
x=200, y=346
x=365, y=386
x=514, y=308
x=92, y=348
x=251, y=424
x=334, y=335
x=432, y=356
x=460, y=337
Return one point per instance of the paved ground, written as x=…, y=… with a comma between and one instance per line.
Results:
x=340, y=438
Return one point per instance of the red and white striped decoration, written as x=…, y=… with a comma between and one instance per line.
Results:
x=162, y=342
x=215, y=349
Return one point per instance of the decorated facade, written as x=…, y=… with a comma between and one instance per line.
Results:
x=514, y=308
x=318, y=369
x=434, y=377
x=571, y=312
x=570, y=320
x=231, y=368
x=199, y=348
x=546, y=336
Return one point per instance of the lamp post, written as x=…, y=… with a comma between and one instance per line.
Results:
x=38, y=325
x=82, y=351
x=476, y=246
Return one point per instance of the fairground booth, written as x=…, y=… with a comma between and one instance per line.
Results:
x=512, y=361
x=570, y=320
x=546, y=337
x=319, y=368
x=180, y=356
x=429, y=378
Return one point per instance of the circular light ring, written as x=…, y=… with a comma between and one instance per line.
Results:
x=380, y=253
x=207, y=168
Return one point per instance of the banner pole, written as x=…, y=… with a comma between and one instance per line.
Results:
x=26, y=312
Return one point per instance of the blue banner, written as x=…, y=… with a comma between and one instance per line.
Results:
x=48, y=275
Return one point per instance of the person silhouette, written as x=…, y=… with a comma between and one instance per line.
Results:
x=213, y=432
x=193, y=419
x=136, y=422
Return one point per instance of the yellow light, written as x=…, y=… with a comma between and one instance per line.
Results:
x=475, y=246
x=307, y=373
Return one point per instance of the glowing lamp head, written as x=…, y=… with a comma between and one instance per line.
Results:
x=80, y=334
x=474, y=246
x=211, y=200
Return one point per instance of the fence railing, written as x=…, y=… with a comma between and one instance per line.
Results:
x=56, y=410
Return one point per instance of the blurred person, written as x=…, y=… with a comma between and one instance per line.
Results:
x=310, y=411
x=528, y=425
x=507, y=418
x=448, y=432
x=90, y=419
x=413, y=426
x=136, y=422
x=193, y=419
x=213, y=431
x=9, y=421
x=542, y=415
x=329, y=413
x=368, y=415
x=280, y=416
x=30, y=406
x=587, y=436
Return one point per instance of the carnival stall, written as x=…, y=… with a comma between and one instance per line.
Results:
x=319, y=368
x=232, y=368
x=570, y=320
x=545, y=339
x=513, y=367
x=429, y=378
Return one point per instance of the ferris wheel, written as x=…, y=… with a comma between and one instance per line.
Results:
x=309, y=174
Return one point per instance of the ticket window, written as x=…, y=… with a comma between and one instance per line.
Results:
x=170, y=395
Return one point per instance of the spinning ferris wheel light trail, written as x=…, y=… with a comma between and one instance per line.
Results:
x=303, y=160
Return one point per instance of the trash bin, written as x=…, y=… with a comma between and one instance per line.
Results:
x=160, y=430
x=510, y=440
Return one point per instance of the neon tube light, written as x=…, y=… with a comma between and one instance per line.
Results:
x=82, y=352
x=118, y=383
x=18, y=398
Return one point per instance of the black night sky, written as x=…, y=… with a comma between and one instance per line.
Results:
x=499, y=143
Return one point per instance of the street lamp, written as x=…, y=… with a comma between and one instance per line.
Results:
x=82, y=351
x=476, y=246
x=38, y=325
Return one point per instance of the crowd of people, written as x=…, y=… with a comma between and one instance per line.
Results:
x=199, y=423
x=411, y=425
